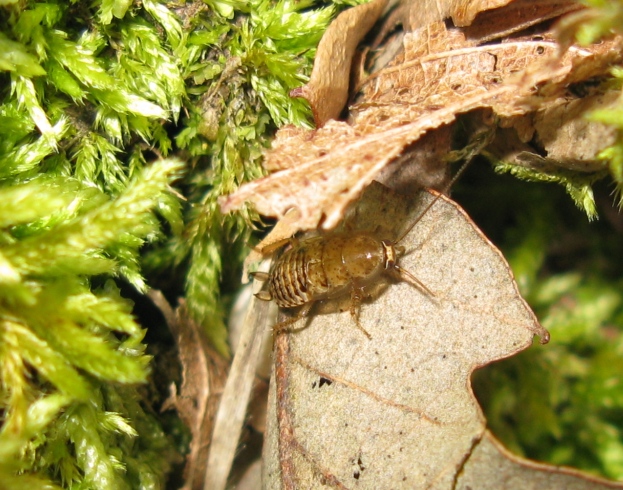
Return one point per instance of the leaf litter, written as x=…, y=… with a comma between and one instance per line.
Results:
x=440, y=73
x=399, y=409
x=203, y=375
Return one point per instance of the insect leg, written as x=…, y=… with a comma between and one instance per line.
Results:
x=262, y=294
x=283, y=326
x=356, y=295
x=260, y=276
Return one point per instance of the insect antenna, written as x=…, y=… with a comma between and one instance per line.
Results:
x=430, y=205
x=406, y=276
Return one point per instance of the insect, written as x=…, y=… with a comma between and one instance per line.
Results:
x=326, y=267
x=333, y=265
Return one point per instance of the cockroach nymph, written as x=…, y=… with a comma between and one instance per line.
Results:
x=332, y=265
x=326, y=267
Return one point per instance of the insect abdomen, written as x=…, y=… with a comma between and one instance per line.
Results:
x=289, y=283
x=324, y=267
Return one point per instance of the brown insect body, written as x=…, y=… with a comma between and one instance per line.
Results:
x=327, y=267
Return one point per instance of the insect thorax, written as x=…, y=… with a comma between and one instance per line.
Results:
x=363, y=257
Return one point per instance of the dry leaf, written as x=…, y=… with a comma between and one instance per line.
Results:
x=440, y=74
x=442, y=68
x=327, y=89
x=491, y=467
x=421, y=13
x=515, y=17
x=398, y=411
x=568, y=137
x=203, y=376
x=559, y=137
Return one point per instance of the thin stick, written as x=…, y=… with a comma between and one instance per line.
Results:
x=232, y=409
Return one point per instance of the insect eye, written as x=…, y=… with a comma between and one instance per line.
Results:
x=390, y=255
x=400, y=250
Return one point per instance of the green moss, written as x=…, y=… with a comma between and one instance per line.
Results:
x=240, y=61
x=578, y=187
x=559, y=403
x=90, y=95
x=63, y=343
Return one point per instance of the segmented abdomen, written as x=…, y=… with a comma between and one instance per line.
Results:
x=290, y=282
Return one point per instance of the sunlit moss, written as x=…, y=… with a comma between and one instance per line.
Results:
x=92, y=94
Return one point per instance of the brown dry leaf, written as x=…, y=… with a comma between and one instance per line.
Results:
x=327, y=89
x=397, y=411
x=571, y=139
x=440, y=74
x=462, y=12
x=515, y=17
x=491, y=467
x=203, y=376
x=559, y=137
x=441, y=69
